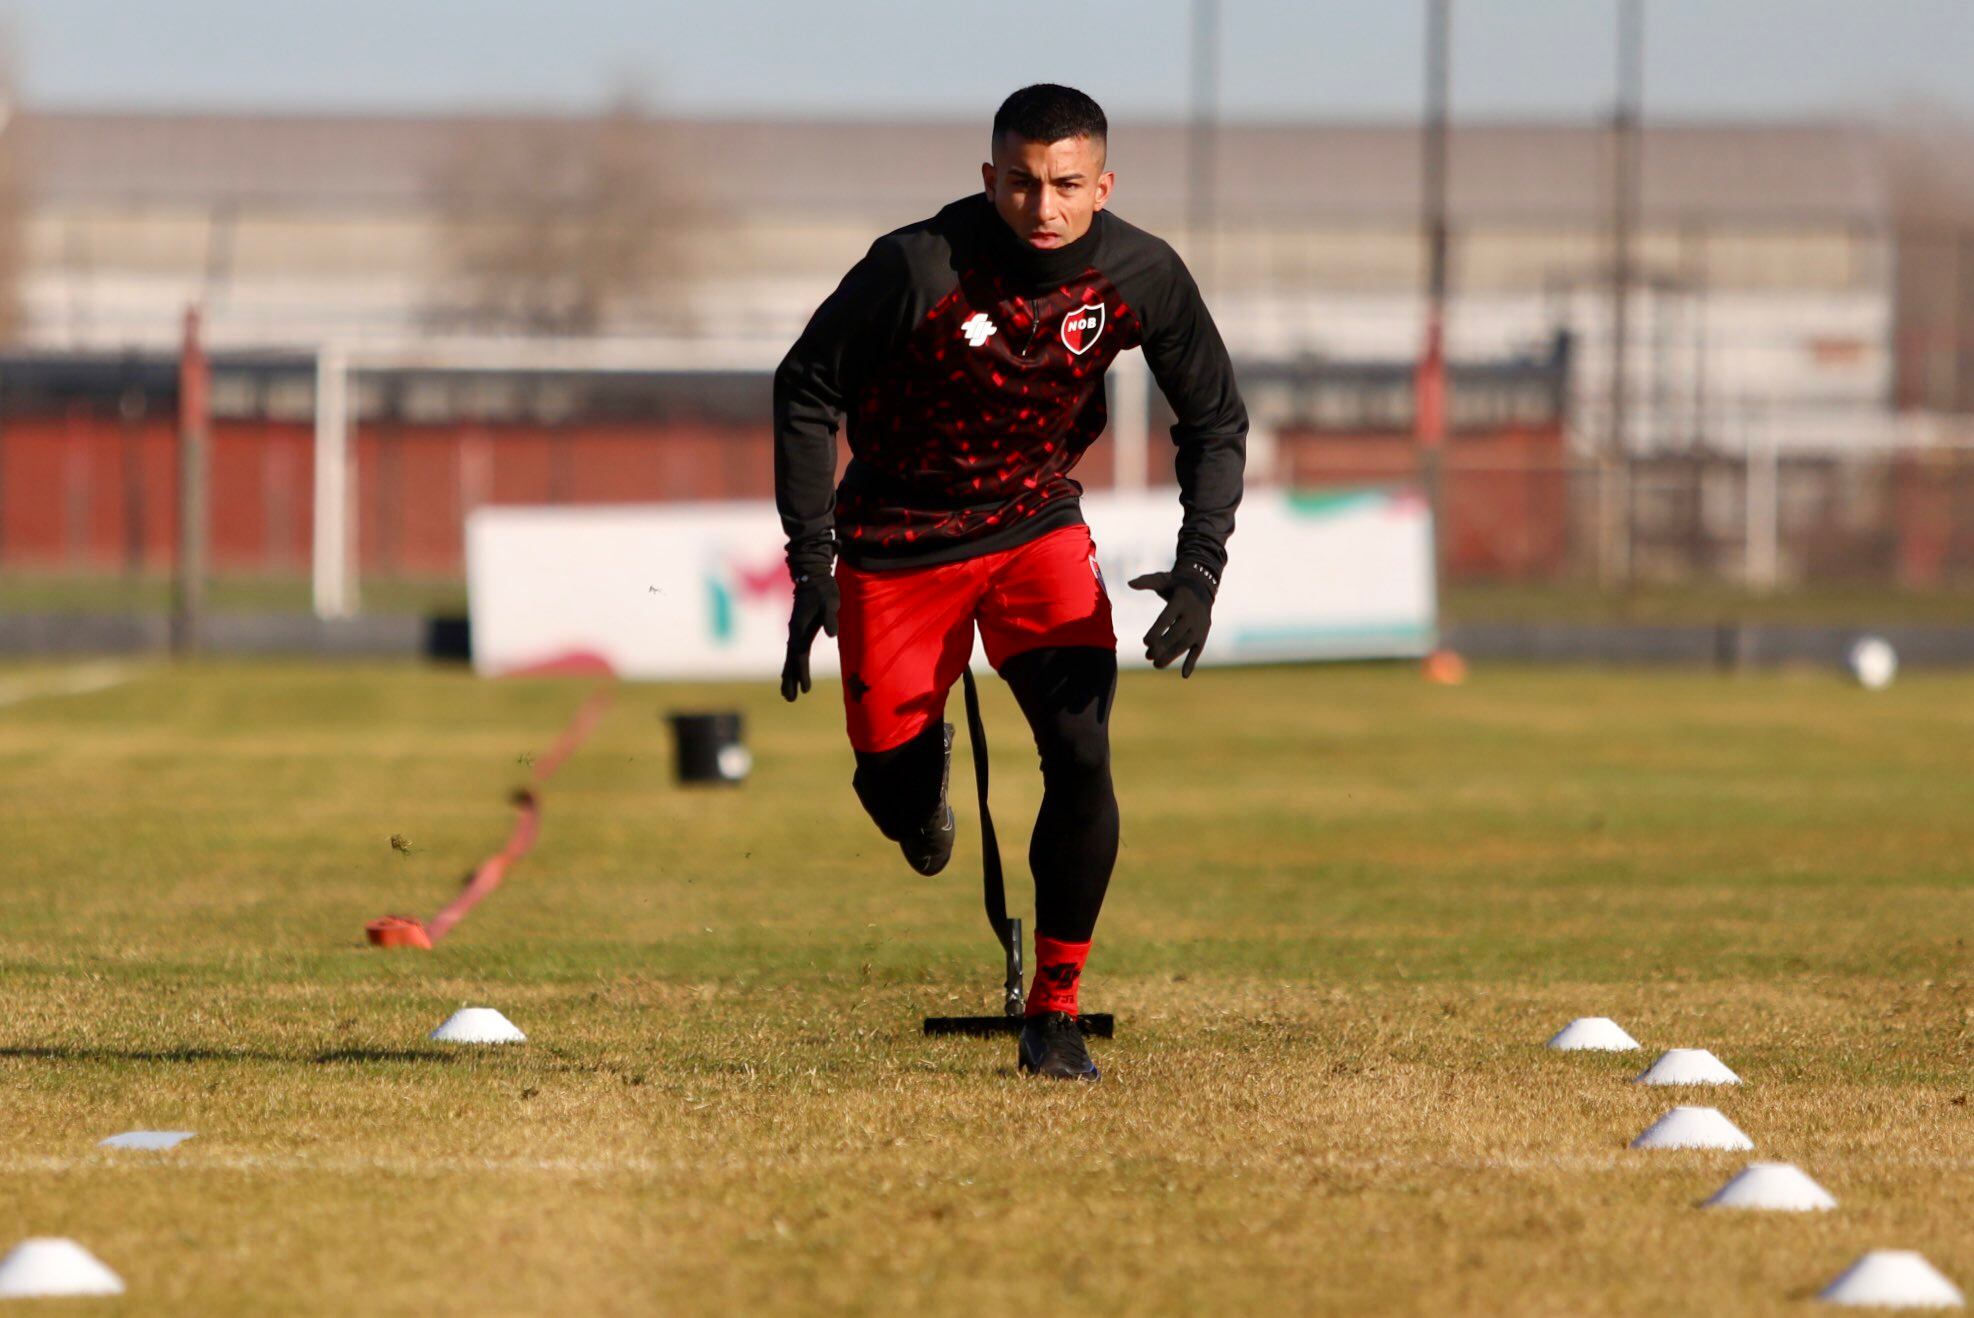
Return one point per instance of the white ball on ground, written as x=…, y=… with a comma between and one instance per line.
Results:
x=1873, y=662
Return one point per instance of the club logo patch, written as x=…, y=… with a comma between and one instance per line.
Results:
x=1082, y=327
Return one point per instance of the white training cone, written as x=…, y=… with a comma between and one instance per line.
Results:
x=478, y=1025
x=147, y=1139
x=1688, y=1066
x=1893, y=1279
x=1693, y=1128
x=1778, y=1186
x=51, y=1265
x=1593, y=1034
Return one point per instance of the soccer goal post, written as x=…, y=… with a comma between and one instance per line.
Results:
x=343, y=403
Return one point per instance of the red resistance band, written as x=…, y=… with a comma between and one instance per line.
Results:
x=404, y=930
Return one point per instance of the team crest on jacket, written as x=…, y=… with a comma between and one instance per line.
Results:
x=1081, y=327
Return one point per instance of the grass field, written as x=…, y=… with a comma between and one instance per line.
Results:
x=1350, y=908
x=1860, y=603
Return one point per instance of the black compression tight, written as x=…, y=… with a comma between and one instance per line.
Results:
x=1066, y=694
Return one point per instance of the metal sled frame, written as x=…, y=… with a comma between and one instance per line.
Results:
x=994, y=891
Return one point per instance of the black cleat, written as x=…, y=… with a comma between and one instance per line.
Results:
x=1052, y=1045
x=931, y=846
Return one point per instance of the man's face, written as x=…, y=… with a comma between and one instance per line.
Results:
x=1048, y=192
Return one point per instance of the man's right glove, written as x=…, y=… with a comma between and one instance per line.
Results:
x=1188, y=591
x=816, y=604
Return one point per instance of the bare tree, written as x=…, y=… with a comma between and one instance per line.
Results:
x=558, y=227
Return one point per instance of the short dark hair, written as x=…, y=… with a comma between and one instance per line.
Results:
x=1049, y=112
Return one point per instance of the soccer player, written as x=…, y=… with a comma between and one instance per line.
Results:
x=966, y=353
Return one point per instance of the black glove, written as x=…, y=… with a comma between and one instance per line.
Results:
x=1188, y=591
x=816, y=603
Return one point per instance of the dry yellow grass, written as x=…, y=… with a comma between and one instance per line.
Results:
x=1350, y=910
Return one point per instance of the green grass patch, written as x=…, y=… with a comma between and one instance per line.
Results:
x=1349, y=908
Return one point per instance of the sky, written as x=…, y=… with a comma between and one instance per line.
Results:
x=1281, y=59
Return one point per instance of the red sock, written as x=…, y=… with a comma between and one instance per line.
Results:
x=1058, y=970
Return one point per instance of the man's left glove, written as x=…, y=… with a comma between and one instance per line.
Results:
x=1188, y=591
x=816, y=604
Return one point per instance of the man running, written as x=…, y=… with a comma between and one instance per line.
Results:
x=966, y=353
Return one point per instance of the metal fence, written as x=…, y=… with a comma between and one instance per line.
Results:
x=88, y=482
x=1763, y=522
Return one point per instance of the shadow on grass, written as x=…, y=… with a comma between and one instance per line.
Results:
x=196, y=1055
x=385, y=1055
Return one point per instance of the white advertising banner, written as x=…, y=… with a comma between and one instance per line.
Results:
x=690, y=591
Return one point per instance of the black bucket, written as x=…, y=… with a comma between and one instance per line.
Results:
x=710, y=749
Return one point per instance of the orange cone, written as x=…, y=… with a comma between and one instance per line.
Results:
x=1445, y=667
x=397, y=931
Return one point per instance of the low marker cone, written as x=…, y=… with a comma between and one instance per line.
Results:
x=1773, y=1186
x=1893, y=1279
x=53, y=1265
x=1444, y=668
x=1593, y=1034
x=398, y=931
x=478, y=1025
x=147, y=1139
x=1693, y=1128
x=1688, y=1066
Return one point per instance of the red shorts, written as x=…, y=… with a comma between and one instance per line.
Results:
x=905, y=635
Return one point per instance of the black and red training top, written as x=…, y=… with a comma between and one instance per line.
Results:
x=969, y=367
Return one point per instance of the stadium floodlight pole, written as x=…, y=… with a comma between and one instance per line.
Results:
x=1615, y=560
x=1202, y=141
x=188, y=595
x=334, y=582
x=1429, y=412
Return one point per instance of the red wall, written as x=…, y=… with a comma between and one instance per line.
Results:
x=1933, y=509
x=1506, y=493
x=87, y=492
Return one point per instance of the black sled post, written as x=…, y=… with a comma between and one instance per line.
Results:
x=1014, y=1002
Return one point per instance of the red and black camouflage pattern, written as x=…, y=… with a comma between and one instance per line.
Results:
x=984, y=433
x=967, y=370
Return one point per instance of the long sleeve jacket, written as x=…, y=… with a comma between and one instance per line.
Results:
x=969, y=370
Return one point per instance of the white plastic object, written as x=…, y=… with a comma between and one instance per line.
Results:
x=478, y=1025
x=147, y=1139
x=1688, y=1066
x=54, y=1265
x=1693, y=1128
x=1893, y=1279
x=1774, y=1186
x=1593, y=1034
x=1873, y=662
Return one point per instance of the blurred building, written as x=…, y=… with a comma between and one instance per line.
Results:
x=1766, y=256
x=1799, y=289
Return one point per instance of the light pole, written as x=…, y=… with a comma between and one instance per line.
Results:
x=1615, y=560
x=1201, y=139
x=188, y=596
x=1429, y=417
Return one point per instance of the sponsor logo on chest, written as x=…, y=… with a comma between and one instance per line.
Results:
x=977, y=329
